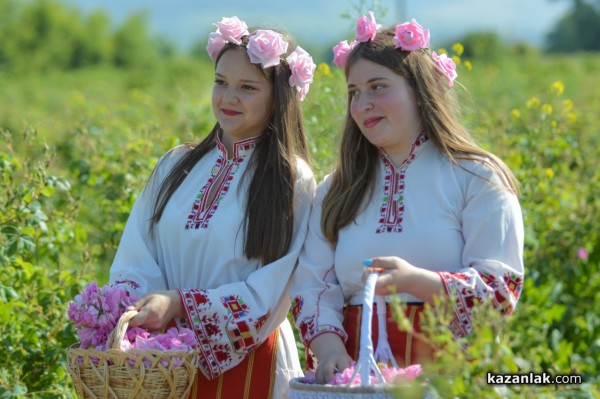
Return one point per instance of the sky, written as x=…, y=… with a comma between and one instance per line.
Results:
x=185, y=22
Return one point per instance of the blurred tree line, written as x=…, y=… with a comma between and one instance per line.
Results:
x=42, y=35
x=578, y=30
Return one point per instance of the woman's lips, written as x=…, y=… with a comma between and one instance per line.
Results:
x=230, y=112
x=372, y=122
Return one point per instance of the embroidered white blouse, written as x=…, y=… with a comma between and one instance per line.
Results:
x=232, y=303
x=434, y=214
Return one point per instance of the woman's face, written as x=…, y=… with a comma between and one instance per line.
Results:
x=242, y=97
x=384, y=107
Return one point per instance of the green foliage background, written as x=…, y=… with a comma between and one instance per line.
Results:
x=78, y=139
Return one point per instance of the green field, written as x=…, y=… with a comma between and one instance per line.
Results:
x=76, y=147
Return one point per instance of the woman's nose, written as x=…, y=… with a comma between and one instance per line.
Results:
x=230, y=96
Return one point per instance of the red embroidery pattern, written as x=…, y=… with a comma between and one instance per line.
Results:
x=207, y=326
x=306, y=327
x=297, y=307
x=203, y=210
x=470, y=289
x=214, y=328
x=130, y=283
x=235, y=306
x=262, y=320
x=242, y=336
x=391, y=213
x=242, y=330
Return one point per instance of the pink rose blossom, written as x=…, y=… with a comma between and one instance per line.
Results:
x=341, y=52
x=366, y=30
x=216, y=42
x=390, y=374
x=445, y=65
x=411, y=36
x=303, y=69
x=396, y=375
x=582, y=253
x=232, y=29
x=265, y=47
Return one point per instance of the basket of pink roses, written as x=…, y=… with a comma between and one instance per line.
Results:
x=370, y=377
x=112, y=361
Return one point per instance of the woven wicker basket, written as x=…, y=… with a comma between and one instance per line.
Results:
x=139, y=374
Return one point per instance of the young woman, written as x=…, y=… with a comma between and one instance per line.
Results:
x=413, y=197
x=214, y=237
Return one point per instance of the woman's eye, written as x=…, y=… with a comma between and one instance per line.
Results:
x=352, y=93
x=219, y=82
x=378, y=87
x=249, y=88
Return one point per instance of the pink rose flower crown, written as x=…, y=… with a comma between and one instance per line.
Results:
x=409, y=36
x=265, y=47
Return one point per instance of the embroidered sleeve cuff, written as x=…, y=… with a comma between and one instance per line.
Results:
x=196, y=303
x=461, y=325
x=308, y=338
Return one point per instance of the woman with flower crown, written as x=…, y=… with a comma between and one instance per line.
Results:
x=213, y=238
x=413, y=197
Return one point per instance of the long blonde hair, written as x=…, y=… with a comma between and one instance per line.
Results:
x=354, y=176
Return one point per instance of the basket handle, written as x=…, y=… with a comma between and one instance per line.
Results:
x=118, y=333
x=366, y=362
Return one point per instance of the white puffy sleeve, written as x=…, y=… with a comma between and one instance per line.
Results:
x=230, y=321
x=492, y=260
x=135, y=266
x=317, y=297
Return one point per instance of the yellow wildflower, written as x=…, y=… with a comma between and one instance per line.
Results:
x=458, y=48
x=533, y=102
x=547, y=109
x=468, y=65
x=549, y=173
x=554, y=124
x=442, y=51
x=572, y=117
x=515, y=113
x=568, y=105
x=557, y=88
x=456, y=59
x=324, y=69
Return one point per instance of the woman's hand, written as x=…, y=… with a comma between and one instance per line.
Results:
x=155, y=310
x=332, y=355
x=397, y=275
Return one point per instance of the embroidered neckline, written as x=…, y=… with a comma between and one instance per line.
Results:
x=240, y=148
x=221, y=177
x=391, y=212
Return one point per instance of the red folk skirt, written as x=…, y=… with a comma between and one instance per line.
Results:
x=406, y=347
x=254, y=378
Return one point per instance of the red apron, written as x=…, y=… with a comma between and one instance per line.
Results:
x=407, y=348
x=254, y=378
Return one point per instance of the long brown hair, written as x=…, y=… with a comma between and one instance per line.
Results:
x=269, y=212
x=354, y=177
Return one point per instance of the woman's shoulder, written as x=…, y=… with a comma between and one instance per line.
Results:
x=324, y=186
x=303, y=169
x=476, y=164
x=169, y=159
x=174, y=155
x=480, y=170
